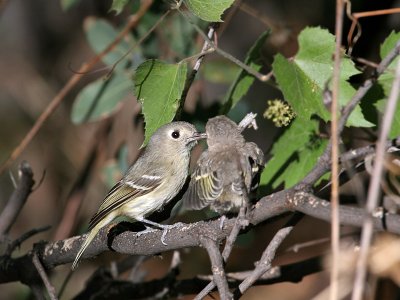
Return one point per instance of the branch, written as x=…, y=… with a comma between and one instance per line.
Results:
x=265, y=262
x=16, y=243
x=106, y=287
x=18, y=198
x=188, y=235
x=193, y=74
x=212, y=45
x=374, y=187
x=323, y=164
x=50, y=288
x=217, y=267
x=84, y=69
x=64, y=251
x=335, y=134
x=240, y=222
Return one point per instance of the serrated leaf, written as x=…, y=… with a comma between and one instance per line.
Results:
x=158, y=87
x=100, y=34
x=100, y=98
x=208, y=10
x=303, y=79
x=118, y=6
x=244, y=80
x=386, y=81
x=294, y=154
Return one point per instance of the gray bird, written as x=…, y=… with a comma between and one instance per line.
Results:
x=225, y=173
x=154, y=179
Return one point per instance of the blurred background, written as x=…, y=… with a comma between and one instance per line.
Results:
x=43, y=44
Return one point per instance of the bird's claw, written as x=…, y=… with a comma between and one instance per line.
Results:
x=221, y=224
x=165, y=231
x=164, y=234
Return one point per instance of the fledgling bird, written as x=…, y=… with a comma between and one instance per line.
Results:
x=225, y=173
x=154, y=179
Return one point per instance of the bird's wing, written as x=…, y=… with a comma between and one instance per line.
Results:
x=256, y=161
x=125, y=190
x=205, y=185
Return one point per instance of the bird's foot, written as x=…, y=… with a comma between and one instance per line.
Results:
x=165, y=231
x=147, y=230
x=165, y=228
x=222, y=221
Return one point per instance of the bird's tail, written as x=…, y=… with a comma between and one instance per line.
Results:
x=92, y=234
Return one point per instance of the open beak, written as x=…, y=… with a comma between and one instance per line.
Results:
x=197, y=136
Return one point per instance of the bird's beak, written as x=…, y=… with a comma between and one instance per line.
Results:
x=197, y=136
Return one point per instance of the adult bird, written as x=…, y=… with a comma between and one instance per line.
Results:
x=154, y=179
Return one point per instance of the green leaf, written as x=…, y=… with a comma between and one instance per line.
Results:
x=220, y=71
x=100, y=98
x=244, y=80
x=208, y=10
x=303, y=78
x=100, y=34
x=294, y=154
x=118, y=6
x=179, y=35
x=386, y=81
x=67, y=4
x=158, y=87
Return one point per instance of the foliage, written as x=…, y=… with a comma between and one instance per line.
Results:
x=303, y=78
x=148, y=79
x=102, y=97
x=208, y=10
x=386, y=79
x=244, y=80
x=159, y=85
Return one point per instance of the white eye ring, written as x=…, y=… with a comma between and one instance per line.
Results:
x=175, y=134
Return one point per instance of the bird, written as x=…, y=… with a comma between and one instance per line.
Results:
x=227, y=172
x=151, y=182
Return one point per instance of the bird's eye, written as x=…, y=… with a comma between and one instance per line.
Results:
x=175, y=134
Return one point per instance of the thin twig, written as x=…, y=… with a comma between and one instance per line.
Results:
x=176, y=288
x=362, y=90
x=266, y=259
x=374, y=188
x=196, y=68
x=18, y=198
x=335, y=229
x=367, y=150
x=86, y=67
x=324, y=161
x=16, y=243
x=227, y=249
x=230, y=241
x=249, y=120
x=50, y=288
x=248, y=69
x=355, y=22
x=64, y=251
x=217, y=267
